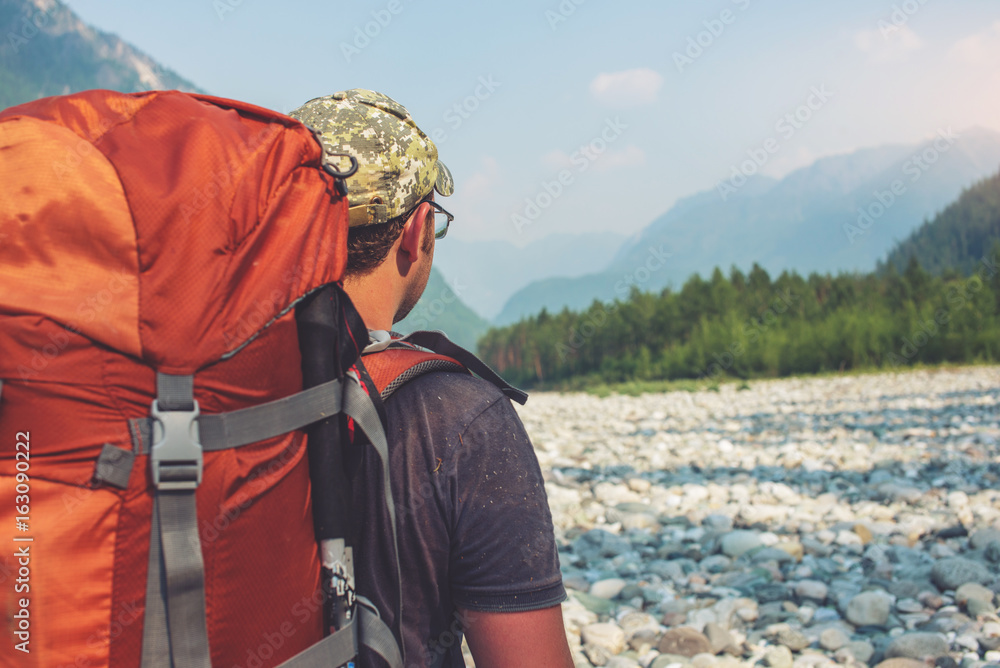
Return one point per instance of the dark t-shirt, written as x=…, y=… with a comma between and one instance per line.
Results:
x=474, y=526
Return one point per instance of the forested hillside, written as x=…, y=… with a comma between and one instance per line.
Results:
x=957, y=237
x=752, y=326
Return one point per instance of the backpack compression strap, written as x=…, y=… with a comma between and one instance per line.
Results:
x=176, y=438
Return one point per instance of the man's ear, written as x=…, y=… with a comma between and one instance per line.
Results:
x=410, y=239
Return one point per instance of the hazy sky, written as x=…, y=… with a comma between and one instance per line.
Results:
x=669, y=96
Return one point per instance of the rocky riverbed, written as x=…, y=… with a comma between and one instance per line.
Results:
x=802, y=522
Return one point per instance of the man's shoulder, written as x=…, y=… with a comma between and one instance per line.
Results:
x=453, y=393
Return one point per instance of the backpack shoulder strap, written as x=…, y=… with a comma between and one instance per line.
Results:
x=408, y=360
x=398, y=364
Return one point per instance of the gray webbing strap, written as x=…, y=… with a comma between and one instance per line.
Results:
x=257, y=423
x=376, y=635
x=359, y=406
x=176, y=467
x=221, y=431
x=335, y=650
x=175, y=393
x=155, y=634
x=114, y=466
x=185, y=571
x=440, y=343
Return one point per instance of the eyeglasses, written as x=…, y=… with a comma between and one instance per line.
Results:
x=442, y=219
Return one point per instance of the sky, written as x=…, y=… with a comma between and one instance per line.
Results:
x=587, y=115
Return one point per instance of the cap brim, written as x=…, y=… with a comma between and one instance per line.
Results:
x=445, y=183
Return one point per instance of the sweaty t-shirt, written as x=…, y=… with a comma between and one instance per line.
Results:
x=475, y=532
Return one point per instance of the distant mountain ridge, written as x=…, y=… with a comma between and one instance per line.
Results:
x=489, y=272
x=838, y=214
x=47, y=50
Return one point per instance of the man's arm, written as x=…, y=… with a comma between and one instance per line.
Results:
x=518, y=639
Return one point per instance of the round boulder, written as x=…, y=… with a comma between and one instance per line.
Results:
x=869, y=608
x=953, y=572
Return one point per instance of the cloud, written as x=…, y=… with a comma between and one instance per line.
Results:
x=629, y=88
x=888, y=46
x=982, y=48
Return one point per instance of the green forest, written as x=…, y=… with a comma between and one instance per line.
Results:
x=750, y=325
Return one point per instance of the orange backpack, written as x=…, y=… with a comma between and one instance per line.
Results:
x=170, y=322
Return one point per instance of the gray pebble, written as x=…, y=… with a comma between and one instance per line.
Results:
x=917, y=646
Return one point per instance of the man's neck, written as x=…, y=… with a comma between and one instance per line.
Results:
x=374, y=298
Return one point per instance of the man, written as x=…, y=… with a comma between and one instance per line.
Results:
x=476, y=546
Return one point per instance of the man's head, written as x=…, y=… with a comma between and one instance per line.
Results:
x=398, y=173
x=398, y=164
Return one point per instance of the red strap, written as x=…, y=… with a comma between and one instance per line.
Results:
x=387, y=365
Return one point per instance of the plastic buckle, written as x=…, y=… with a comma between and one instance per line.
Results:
x=176, y=458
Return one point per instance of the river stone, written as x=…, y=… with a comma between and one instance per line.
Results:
x=720, y=639
x=606, y=635
x=812, y=590
x=684, y=641
x=793, y=548
x=972, y=590
x=599, y=543
x=833, y=639
x=954, y=572
x=607, y=589
x=597, y=655
x=718, y=522
x=980, y=539
x=977, y=607
x=600, y=606
x=621, y=662
x=861, y=650
x=737, y=543
x=917, y=646
x=665, y=660
x=771, y=554
x=792, y=639
x=633, y=622
x=778, y=656
x=869, y=608
x=900, y=662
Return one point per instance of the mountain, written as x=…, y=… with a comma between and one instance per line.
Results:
x=959, y=237
x=842, y=213
x=440, y=308
x=47, y=50
x=483, y=270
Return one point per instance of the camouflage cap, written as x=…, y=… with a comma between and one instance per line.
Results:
x=397, y=163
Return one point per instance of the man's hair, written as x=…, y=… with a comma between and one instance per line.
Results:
x=368, y=245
